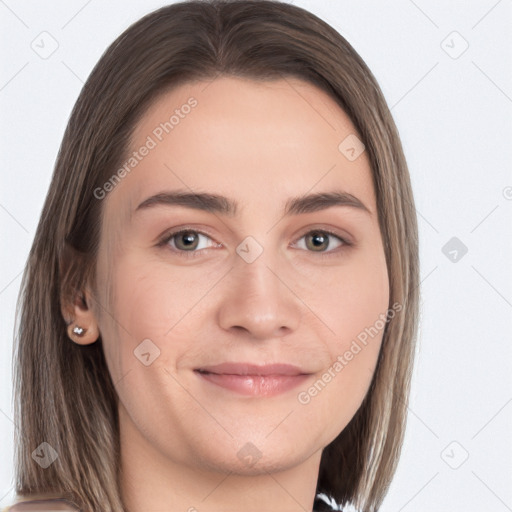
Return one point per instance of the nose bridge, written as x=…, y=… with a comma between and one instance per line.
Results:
x=255, y=299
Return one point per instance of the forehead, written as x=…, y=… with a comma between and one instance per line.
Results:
x=257, y=141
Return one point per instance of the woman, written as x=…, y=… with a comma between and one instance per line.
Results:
x=219, y=309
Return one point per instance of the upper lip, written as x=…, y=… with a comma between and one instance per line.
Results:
x=252, y=369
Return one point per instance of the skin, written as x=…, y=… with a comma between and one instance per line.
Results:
x=259, y=143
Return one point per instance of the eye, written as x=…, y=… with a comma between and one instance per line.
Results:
x=187, y=242
x=319, y=240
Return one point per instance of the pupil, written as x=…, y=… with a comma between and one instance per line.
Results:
x=188, y=239
x=318, y=237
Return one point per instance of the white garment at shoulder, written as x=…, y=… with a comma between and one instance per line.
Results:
x=332, y=503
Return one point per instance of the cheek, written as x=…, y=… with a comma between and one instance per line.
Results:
x=360, y=302
x=359, y=299
x=147, y=303
x=355, y=311
x=152, y=297
x=348, y=298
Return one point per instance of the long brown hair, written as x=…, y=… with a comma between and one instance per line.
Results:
x=64, y=394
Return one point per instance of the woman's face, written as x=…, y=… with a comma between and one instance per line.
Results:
x=283, y=266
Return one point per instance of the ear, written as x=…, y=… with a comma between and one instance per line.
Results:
x=82, y=323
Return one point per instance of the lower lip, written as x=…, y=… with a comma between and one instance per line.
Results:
x=255, y=385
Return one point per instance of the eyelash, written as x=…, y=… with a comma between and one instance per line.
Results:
x=194, y=254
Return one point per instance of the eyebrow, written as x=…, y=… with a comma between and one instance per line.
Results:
x=215, y=203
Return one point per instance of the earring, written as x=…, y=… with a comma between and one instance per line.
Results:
x=78, y=331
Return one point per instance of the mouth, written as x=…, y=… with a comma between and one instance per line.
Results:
x=253, y=380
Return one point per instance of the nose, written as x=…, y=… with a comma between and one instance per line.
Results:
x=258, y=301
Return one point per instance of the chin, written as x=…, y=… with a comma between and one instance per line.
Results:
x=253, y=458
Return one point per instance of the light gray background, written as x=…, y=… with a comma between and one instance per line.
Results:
x=453, y=111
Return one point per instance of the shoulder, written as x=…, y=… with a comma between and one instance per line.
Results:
x=40, y=505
